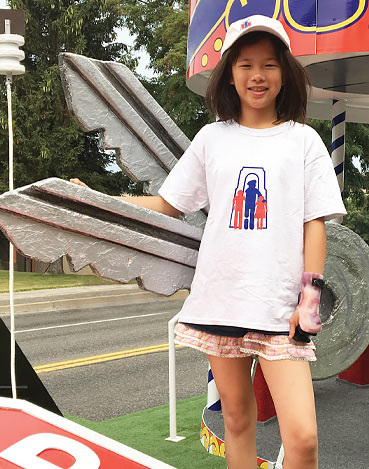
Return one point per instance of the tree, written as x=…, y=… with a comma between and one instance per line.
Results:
x=357, y=218
x=356, y=157
x=48, y=141
x=356, y=186
x=161, y=28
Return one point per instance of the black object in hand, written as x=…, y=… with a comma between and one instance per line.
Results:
x=301, y=336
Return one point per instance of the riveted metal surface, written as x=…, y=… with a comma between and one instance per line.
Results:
x=344, y=305
x=107, y=97
x=120, y=241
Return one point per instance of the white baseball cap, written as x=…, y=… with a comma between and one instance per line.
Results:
x=254, y=23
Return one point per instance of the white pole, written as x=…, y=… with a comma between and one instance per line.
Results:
x=338, y=143
x=172, y=383
x=11, y=247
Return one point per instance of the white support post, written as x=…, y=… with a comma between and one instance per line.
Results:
x=10, y=56
x=8, y=83
x=338, y=143
x=172, y=383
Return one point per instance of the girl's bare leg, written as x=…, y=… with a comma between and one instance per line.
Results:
x=290, y=385
x=233, y=379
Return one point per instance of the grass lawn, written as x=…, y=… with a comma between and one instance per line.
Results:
x=146, y=431
x=24, y=281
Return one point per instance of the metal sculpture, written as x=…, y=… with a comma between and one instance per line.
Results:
x=107, y=97
x=119, y=240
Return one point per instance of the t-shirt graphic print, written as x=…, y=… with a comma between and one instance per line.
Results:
x=249, y=205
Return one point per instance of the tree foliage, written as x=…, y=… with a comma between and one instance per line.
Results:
x=356, y=157
x=48, y=142
x=161, y=28
x=357, y=218
x=356, y=176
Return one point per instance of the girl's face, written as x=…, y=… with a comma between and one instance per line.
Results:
x=257, y=78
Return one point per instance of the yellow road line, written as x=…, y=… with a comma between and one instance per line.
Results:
x=101, y=358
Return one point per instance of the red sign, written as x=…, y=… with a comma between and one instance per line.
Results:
x=33, y=438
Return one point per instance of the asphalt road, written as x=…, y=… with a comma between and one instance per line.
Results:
x=99, y=387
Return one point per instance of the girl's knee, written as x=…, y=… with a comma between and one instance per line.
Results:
x=240, y=419
x=303, y=442
x=237, y=424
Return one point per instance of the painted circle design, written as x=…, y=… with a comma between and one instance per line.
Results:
x=218, y=43
x=204, y=60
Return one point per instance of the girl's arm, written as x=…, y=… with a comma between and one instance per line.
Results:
x=314, y=256
x=153, y=202
x=314, y=246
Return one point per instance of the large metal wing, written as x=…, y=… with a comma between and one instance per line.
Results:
x=119, y=240
x=106, y=96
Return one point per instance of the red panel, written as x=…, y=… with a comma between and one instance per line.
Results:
x=358, y=373
x=59, y=458
x=210, y=51
x=16, y=425
x=264, y=400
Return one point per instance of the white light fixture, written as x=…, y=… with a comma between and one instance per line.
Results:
x=10, y=54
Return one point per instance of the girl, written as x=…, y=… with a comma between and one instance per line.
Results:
x=244, y=293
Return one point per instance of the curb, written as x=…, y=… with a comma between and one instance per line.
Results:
x=40, y=301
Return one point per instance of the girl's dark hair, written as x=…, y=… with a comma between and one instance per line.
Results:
x=222, y=98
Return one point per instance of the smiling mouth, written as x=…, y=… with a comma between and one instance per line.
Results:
x=258, y=89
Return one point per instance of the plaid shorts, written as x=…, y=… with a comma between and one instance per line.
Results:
x=270, y=347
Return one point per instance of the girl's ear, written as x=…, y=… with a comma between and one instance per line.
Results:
x=231, y=81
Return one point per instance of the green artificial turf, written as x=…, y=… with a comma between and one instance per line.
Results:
x=25, y=281
x=146, y=431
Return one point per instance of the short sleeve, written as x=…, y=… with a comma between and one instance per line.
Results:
x=322, y=192
x=185, y=186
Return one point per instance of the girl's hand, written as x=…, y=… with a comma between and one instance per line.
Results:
x=78, y=182
x=294, y=322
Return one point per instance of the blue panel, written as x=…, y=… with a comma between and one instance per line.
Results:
x=331, y=12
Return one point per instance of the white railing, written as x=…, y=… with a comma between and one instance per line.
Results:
x=172, y=383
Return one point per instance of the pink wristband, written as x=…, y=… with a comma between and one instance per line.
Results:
x=309, y=319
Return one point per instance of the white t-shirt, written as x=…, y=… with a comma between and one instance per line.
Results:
x=261, y=185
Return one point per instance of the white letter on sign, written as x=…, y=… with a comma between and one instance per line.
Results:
x=25, y=452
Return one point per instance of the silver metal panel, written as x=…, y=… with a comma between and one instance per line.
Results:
x=345, y=303
x=107, y=97
x=120, y=241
